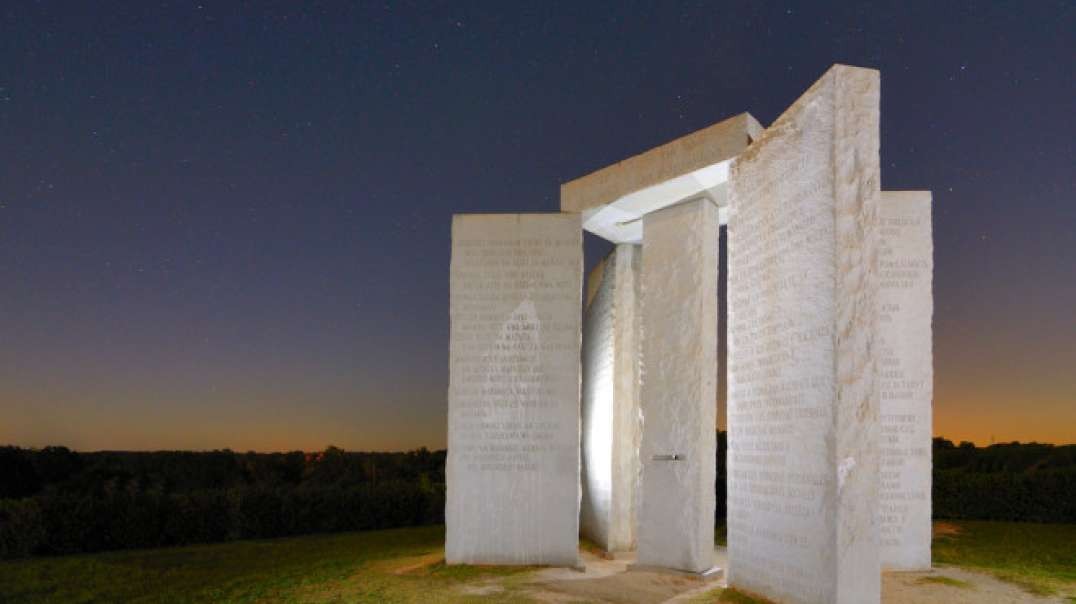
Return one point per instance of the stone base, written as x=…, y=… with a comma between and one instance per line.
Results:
x=929, y=570
x=715, y=572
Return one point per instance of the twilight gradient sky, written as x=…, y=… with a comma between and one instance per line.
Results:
x=226, y=228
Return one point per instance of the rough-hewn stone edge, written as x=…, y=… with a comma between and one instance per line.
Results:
x=595, y=279
x=627, y=425
x=716, y=143
x=857, y=193
x=707, y=476
x=578, y=221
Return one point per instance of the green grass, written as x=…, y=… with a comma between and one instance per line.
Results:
x=738, y=597
x=951, y=582
x=1039, y=557
x=721, y=535
x=729, y=596
x=405, y=565
x=402, y=565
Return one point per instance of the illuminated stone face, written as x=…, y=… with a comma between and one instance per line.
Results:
x=803, y=404
x=513, y=400
x=611, y=419
x=830, y=367
x=905, y=378
x=679, y=387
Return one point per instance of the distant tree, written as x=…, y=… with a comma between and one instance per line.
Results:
x=56, y=464
x=18, y=476
x=943, y=443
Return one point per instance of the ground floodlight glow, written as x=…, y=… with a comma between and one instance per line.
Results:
x=597, y=410
x=598, y=427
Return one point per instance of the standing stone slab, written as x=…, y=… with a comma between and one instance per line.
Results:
x=513, y=401
x=802, y=406
x=611, y=420
x=679, y=387
x=905, y=377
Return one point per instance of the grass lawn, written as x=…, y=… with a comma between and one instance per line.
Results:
x=1039, y=557
x=372, y=566
x=404, y=565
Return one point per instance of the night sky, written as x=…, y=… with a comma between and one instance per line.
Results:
x=230, y=228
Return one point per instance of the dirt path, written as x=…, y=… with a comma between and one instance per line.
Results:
x=952, y=585
x=613, y=581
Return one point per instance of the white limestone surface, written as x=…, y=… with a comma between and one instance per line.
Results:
x=905, y=377
x=662, y=166
x=679, y=387
x=611, y=421
x=802, y=406
x=513, y=400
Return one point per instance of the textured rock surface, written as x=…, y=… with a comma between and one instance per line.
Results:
x=513, y=401
x=679, y=386
x=803, y=408
x=905, y=377
x=713, y=144
x=611, y=420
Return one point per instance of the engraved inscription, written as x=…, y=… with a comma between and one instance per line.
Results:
x=780, y=381
x=802, y=407
x=514, y=388
x=905, y=378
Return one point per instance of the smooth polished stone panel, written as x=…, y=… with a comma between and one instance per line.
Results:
x=513, y=400
x=679, y=387
x=802, y=404
x=905, y=377
x=611, y=421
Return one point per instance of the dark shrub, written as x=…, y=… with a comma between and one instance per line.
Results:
x=1040, y=496
x=21, y=528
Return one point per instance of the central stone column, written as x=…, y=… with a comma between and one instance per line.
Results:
x=611, y=421
x=679, y=387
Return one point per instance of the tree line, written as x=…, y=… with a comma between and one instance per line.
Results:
x=58, y=501
x=1023, y=482
x=1015, y=482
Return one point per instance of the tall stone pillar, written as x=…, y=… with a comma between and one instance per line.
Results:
x=802, y=405
x=611, y=421
x=905, y=377
x=679, y=386
x=513, y=399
